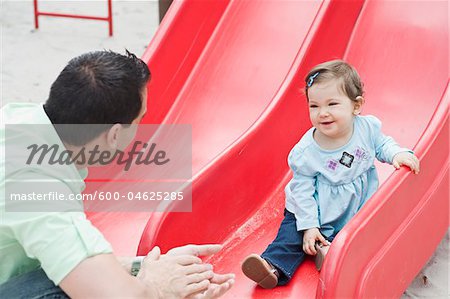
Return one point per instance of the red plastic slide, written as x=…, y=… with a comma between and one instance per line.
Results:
x=234, y=71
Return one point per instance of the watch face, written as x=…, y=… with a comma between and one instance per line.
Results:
x=134, y=272
x=347, y=159
x=135, y=267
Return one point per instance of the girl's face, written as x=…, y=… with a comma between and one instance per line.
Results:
x=331, y=111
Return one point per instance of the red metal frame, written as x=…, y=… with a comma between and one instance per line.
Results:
x=108, y=19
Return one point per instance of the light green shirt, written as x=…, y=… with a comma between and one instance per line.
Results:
x=55, y=241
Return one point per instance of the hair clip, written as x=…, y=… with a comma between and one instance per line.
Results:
x=311, y=79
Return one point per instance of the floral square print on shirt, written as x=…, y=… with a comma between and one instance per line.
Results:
x=347, y=159
x=332, y=165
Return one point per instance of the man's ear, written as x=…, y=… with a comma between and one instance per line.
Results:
x=358, y=105
x=112, y=136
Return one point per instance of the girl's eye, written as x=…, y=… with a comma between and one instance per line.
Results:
x=313, y=106
x=333, y=104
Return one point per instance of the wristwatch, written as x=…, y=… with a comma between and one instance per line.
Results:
x=136, y=265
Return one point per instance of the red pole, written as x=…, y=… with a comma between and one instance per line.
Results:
x=36, y=14
x=110, y=17
x=62, y=15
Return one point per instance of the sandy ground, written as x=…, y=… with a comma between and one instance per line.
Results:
x=31, y=60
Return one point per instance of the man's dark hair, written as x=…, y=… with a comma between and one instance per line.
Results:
x=101, y=87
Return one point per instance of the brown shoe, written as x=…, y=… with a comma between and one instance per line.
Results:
x=322, y=251
x=260, y=271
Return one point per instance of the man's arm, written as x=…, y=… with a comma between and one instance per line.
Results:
x=103, y=276
x=126, y=262
x=165, y=277
x=219, y=283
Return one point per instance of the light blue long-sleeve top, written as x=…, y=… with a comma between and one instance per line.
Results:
x=330, y=186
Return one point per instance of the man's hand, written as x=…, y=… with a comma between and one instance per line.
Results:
x=220, y=283
x=176, y=276
x=406, y=159
x=196, y=250
x=310, y=237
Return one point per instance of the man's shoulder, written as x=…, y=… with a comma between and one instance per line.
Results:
x=24, y=113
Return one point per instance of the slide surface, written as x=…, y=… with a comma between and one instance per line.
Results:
x=234, y=71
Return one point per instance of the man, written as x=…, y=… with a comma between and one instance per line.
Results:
x=61, y=253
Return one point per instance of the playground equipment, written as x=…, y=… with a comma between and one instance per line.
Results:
x=108, y=18
x=234, y=71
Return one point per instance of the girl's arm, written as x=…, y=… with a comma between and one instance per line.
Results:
x=301, y=189
x=385, y=146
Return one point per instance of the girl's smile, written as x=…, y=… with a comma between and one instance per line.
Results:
x=332, y=113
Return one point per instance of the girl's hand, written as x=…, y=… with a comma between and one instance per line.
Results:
x=310, y=237
x=406, y=159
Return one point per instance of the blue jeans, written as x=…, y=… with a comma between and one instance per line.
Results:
x=286, y=252
x=31, y=285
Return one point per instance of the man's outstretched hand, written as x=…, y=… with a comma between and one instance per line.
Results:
x=209, y=285
x=220, y=284
x=196, y=250
x=174, y=277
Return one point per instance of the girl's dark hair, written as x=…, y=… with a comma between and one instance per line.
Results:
x=101, y=87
